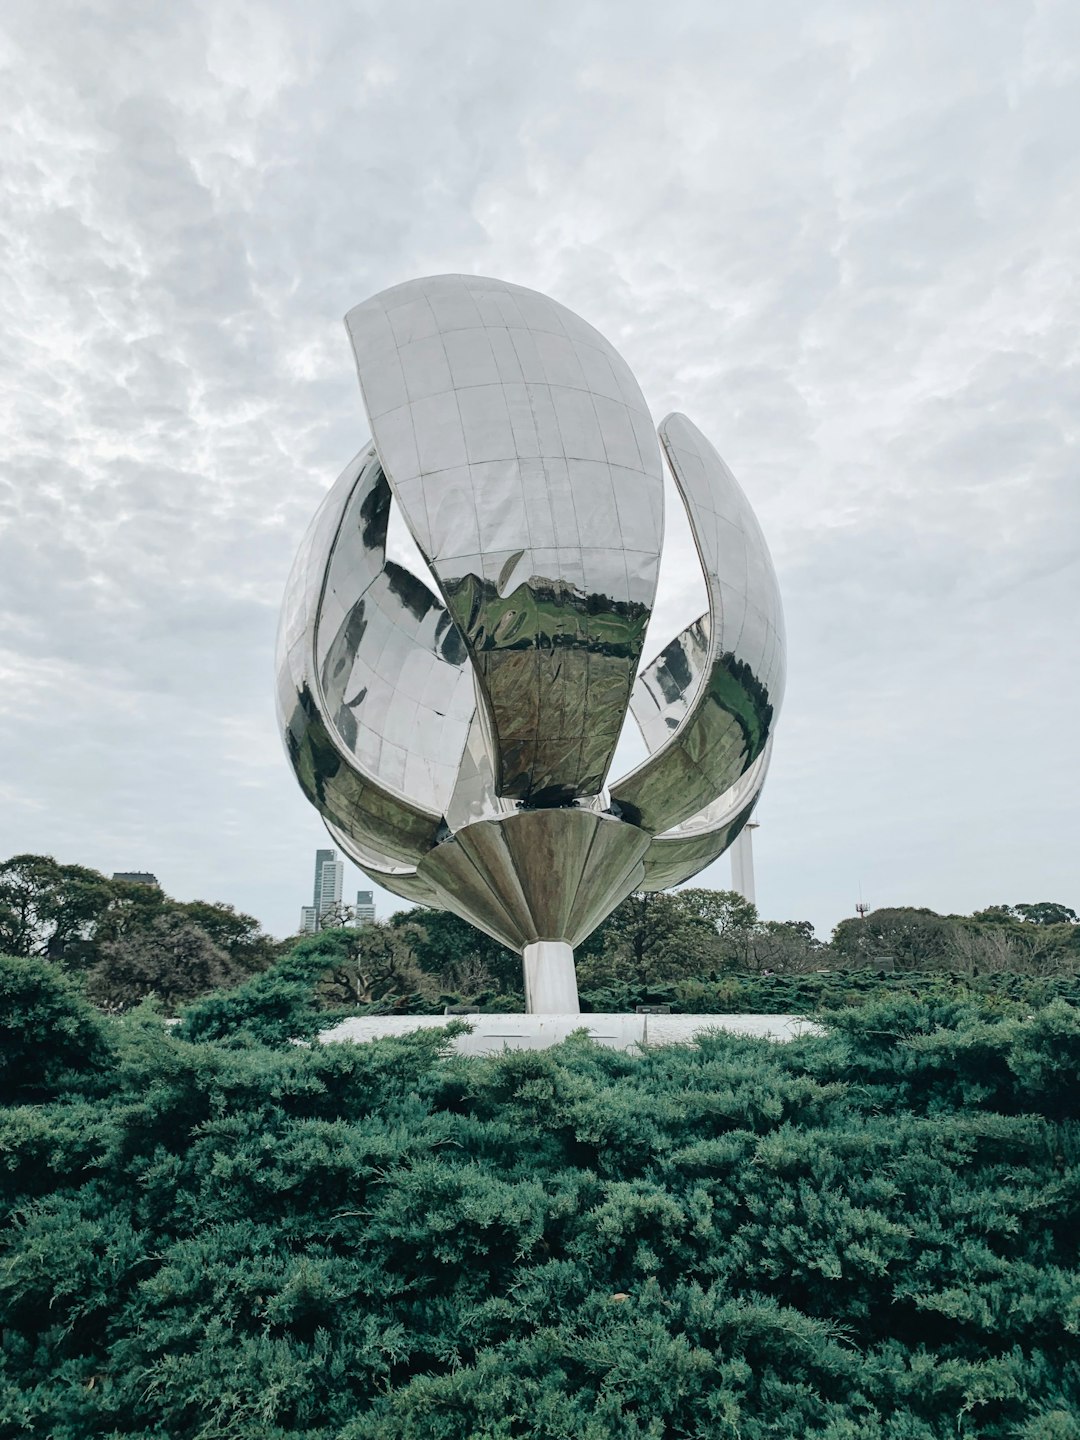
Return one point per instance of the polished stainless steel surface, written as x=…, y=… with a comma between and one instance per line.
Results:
x=347, y=788
x=390, y=664
x=455, y=729
x=685, y=849
x=392, y=875
x=521, y=451
x=706, y=704
x=538, y=874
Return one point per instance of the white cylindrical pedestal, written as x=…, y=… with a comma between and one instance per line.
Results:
x=550, y=978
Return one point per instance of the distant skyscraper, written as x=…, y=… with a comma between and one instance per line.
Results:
x=328, y=885
x=326, y=893
x=136, y=877
x=365, y=907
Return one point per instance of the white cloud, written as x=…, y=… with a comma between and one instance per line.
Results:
x=841, y=237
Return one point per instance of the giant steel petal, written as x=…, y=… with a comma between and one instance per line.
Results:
x=375, y=694
x=391, y=874
x=708, y=703
x=520, y=449
x=688, y=847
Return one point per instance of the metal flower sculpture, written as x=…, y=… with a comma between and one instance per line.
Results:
x=455, y=730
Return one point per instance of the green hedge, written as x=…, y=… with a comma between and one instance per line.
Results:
x=822, y=990
x=866, y=1234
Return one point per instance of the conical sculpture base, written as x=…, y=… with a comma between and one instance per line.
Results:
x=539, y=881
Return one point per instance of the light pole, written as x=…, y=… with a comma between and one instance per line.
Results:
x=742, y=863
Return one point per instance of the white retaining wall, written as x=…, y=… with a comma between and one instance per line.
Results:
x=491, y=1034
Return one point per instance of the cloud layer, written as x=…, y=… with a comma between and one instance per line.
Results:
x=841, y=237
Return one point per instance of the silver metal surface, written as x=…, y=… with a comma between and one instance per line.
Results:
x=537, y=874
x=392, y=875
x=347, y=785
x=706, y=705
x=742, y=863
x=682, y=851
x=523, y=457
x=455, y=729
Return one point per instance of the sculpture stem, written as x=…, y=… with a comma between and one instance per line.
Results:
x=550, y=978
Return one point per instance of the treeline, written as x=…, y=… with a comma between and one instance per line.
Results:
x=707, y=951
x=694, y=949
x=126, y=940
x=212, y=1233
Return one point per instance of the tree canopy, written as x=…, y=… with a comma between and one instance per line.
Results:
x=127, y=940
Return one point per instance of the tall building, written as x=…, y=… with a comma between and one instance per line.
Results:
x=365, y=908
x=137, y=877
x=326, y=892
x=329, y=877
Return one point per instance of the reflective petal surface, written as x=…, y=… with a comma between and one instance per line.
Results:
x=392, y=875
x=521, y=451
x=392, y=669
x=685, y=849
x=374, y=694
x=706, y=705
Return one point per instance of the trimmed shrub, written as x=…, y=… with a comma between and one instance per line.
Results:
x=863, y=1235
x=47, y=1030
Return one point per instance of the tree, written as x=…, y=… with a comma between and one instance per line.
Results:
x=50, y=909
x=655, y=938
x=1047, y=912
x=1040, y=939
x=335, y=917
x=172, y=959
x=241, y=936
x=47, y=1030
x=996, y=915
x=457, y=954
x=779, y=947
x=989, y=949
x=378, y=962
x=917, y=939
x=725, y=912
x=130, y=939
x=638, y=944
x=131, y=906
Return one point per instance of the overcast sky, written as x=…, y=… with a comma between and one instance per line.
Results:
x=843, y=238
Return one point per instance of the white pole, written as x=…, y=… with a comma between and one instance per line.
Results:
x=550, y=978
x=742, y=864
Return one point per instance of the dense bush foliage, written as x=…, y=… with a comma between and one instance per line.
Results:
x=211, y=1233
x=804, y=994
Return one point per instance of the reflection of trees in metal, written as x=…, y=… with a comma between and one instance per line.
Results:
x=583, y=648
x=457, y=743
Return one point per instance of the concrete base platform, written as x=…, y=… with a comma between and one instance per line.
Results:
x=491, y=1034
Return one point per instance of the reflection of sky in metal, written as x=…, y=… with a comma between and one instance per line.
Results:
x=523, y=456
x=424, y=716
x=390, y=662
x=706, y=704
